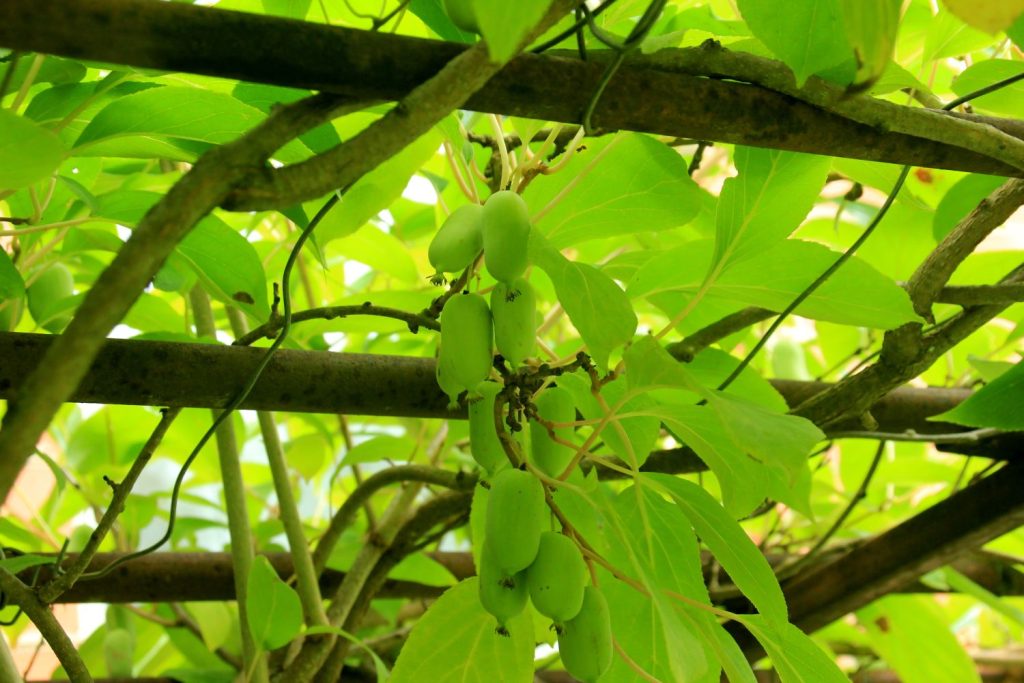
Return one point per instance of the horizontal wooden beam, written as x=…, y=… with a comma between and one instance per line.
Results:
x=174, y=374
x=383, y=67
x=206, y=576
x=898, y=557
x=187, y=375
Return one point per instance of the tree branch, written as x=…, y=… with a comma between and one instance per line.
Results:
x=935, y=271
x=906, y=353
x=63, y=581
x=965, y=520
x=40, y=614
x=711, y=59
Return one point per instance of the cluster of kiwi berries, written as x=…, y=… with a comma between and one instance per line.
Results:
x=519, y=558
x=469, y=326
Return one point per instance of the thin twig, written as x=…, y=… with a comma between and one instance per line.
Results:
x=269, y=329
x=64, y=580
x=51, y=630
x=790, y=569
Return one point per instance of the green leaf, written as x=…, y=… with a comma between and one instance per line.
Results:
x=639, y=434
x=871, y=27
x=772, y=194
x=28, y=152
x=595, y=304
x=20, y=563
x=619, y=185
x=856, y=294
x=11, y=284
x=177, y=117
x=431, y=13
x=960, y=583
x=997, y=404
x=307, y=454
x=376, y=190
x=1007, y=101
x=382, y=251
x=960, y=200
x=225, y=261
x=808, y=35
x=948, y=36
x=293, y=9
x=743, y=480
x=653, y=635
x=1016, y=31
x=796, y=657
x=380, y=448
x=661, y=538
x=274, y=611
x=455, y=642
x=504, y=25
x=912, y=635
x=228, y=265
x=730, y=545
x=990, y=16
x=782, y=442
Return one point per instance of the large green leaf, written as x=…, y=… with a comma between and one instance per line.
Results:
x=11, y=284
x=911, y=633
x=505, y=24
x=960, y=200
x=619, y=185
x=772, y=194
x=997, y=404
x=796, y=657
x=274, y=611
x=653, y=636
x=871, y=27
x=638, y=434
x=771, y=437
x=856, y=294
x=808, y=35
x=28, y=152
x=743, y=480
x=456, y=641
x=376, y=190
x=595, y=304
x=728, y=542
x=384, y=252
x=175, y=118
x=224, y=260
x=1006, y=101
x=654, y=542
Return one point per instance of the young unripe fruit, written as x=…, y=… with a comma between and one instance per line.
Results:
x=466, y=340
x=458, y=241
x=445, y=374
x=516, y=514
x=484, y=444
x=462, y=15
x=557, y=577
x=502, y=594
x=585, y=641
x=52, y=286
x=506, y=235
x=554, y=405
x=514, y=310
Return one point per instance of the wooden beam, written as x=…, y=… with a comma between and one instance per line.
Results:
x=381, y=66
